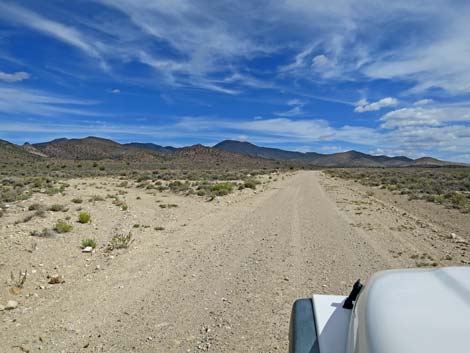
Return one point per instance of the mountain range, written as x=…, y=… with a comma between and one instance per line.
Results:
x=96, y=148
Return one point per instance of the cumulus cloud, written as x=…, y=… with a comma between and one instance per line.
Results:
x=364, y=106
x=14, y=77
x=422, y=116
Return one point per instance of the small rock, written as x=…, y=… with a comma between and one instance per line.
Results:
x=286, y=279
x=55, y=279
x=12, y=304
x=87, y=249
x=2, y=307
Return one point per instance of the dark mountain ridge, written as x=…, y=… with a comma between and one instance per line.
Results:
x=96, y=148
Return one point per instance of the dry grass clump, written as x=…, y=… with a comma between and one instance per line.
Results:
x=58, y=208
x=89, y=242
x=17, y=282
x=96, y=198
x=120, y=241
x=168, y=205
x=45, y=233
x=120, y=203
x=77, y=200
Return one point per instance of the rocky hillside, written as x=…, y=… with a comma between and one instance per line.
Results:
x=91, y=148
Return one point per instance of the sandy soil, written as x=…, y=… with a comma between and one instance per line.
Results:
x=221, y=276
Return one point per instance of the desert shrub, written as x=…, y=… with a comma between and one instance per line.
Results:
x=221, y=189
x=121, y=204
x=36, y=207
x=136, y=226
x=159, y=228
x=458, y=200
x=45, y=233
x=77, y=200
x=123, y=184
x=95, y=198
x=84, y=217
x=62, y=227
x=120, y=241
x=250, y=184
x=58, y=208
x=89, y=242
x=168, y=205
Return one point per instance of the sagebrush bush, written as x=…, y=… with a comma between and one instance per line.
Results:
x=58, y=208
x=250, y=184
x=77, y=200
x=62, y=227
x=84, y=217
x=221, y=189
x=36, y=207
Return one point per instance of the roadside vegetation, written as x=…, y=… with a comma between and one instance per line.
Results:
x=446, y=186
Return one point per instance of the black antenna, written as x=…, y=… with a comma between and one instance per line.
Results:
x=348, y=303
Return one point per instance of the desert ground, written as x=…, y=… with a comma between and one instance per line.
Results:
x=203, y=274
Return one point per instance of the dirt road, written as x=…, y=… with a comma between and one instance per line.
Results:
x=223, y=277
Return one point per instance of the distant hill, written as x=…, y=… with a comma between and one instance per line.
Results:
x=263, y=152
x=91, y=148
x=152, y=147
x=342, y=159
x=228, y=152
x=199, y=154
x=10, y=152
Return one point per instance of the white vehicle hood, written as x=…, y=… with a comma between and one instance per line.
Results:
x=413, y=311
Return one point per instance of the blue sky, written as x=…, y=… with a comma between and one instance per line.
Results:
x=382, y=77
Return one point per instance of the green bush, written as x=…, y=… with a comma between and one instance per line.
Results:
x=458, y=200
x=84, y=217
x=89, y=242
x=221, y=189
x=62, y=227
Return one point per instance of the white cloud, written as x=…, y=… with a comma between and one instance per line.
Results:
x=295, y=110
x=116, y=91
x=364, y=106
x=320, y=60
x=422, y=116
x=14, y=77
x=34, y=103
x=66, y=34
x=423, y=102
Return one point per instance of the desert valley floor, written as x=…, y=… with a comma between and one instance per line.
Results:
x=203, y=275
